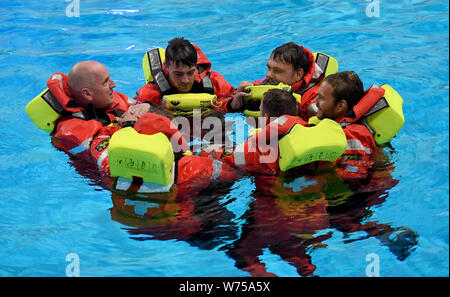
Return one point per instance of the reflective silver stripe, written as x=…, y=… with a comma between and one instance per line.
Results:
x=155, y=60
x=149, y=187
x=82, y=147
x=162, y=82
x=102, y=157
x=312, y=109
x=131, y=101
x=351, y=168
x=59, y=78
x=207, y=83
x=217, y=169
x=355, y=144
x=281, y=121
x=79, y=115
x=239, y=154
x=322, y=62
x=122, y=184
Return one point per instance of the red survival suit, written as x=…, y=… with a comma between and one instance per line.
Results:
x=353, y=164
x=361, y=146
x=260, y=152
x=78, y=126
x=190, y=167
x=307, y=87
x=220, y=87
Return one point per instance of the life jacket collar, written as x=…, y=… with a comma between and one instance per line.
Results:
x=371, y=96
x=312, y=75
x=68, y=107
x=202, y=83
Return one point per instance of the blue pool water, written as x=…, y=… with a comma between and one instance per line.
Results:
x=49, y=210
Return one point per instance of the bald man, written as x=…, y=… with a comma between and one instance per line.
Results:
x=89, y=83
x=90, y=106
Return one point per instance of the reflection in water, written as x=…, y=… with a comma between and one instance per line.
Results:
x=198, y=219
x=291, y=215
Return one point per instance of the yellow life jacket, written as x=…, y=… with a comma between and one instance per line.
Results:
x=328, y=64
x=256, y=93
x=189, y=101
x=386, y=117
x=152, y=65
x=325, y=141
x=149, y=157
x=44, y=110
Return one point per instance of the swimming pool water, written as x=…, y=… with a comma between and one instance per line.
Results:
x=50, y=209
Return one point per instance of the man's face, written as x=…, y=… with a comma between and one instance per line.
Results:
x=182, y=76
x=101, y=89
x=327, y=107
x=279, y=71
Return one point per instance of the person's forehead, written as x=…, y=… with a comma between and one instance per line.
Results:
x=100, y=71
x=278, y=62
x=181, y=67
x=325, y=88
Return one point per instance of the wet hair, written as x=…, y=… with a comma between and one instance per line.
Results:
x=181, y=51
x=277, y=102
x=291, y=53
x=346, y=86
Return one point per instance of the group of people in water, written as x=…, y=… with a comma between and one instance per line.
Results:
x=91, y=111
x=87, y=113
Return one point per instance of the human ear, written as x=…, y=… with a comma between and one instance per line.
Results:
x=342, y=107
x=299, y=74
x=86, y=94
x=267, y=118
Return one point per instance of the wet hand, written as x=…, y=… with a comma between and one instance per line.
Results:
x=238, y=98
x=138, y=109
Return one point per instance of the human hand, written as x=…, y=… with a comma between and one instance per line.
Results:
x=126, y=117
x=238, y=98
x=138, y=109
x=133, y=113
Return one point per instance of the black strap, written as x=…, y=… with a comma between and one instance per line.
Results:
x=162, y=83
x=154, y=60
x=51, y=100
x=156, y=68
x=117, y=112
x=322, y=62
x=379, y=105
x=160, y=79
x=128, y=124
x=382, y=103
x=307, y=88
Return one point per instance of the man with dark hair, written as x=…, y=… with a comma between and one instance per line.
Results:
x=341, y=97
x=260, y=152
x=288, y=64
x=186, y=69
x=278, y=102
x=339, y=93
x=293, y=65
